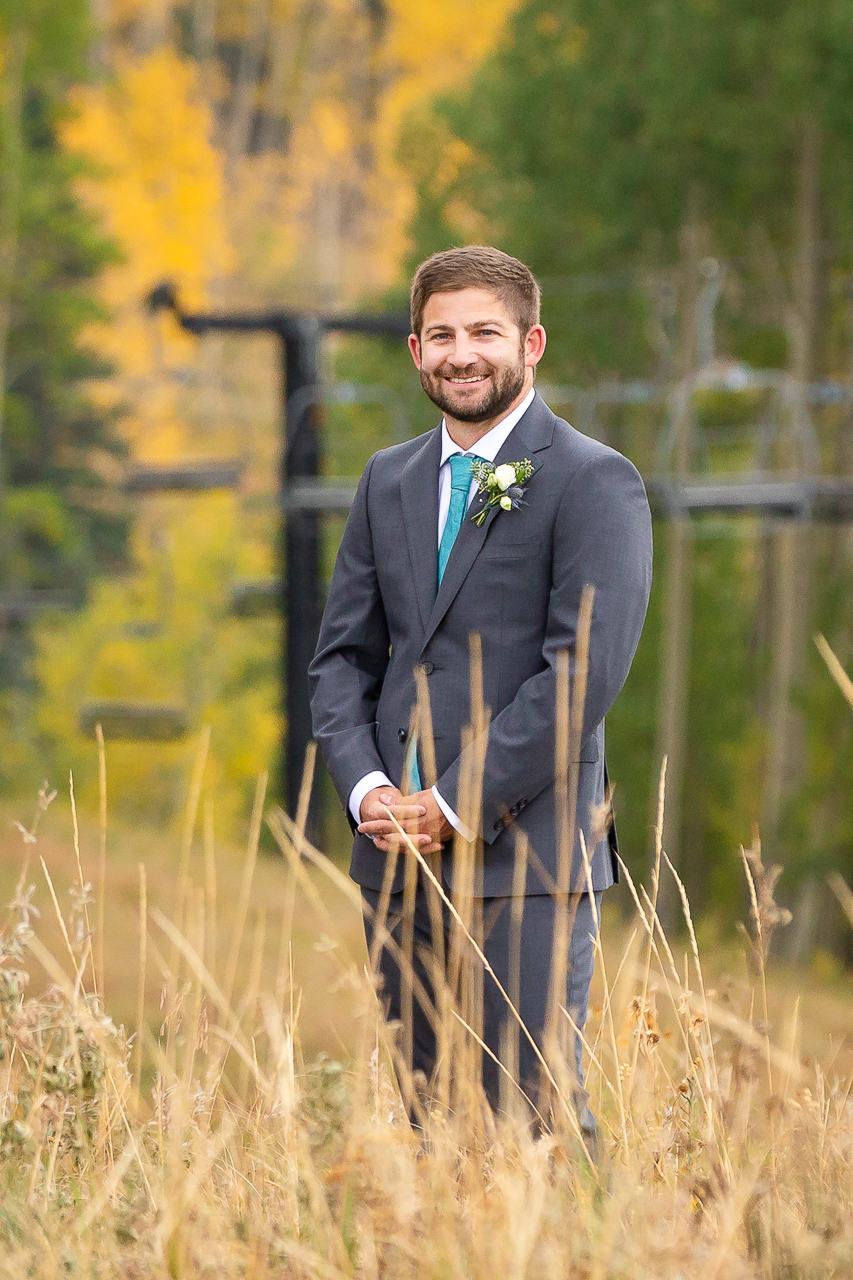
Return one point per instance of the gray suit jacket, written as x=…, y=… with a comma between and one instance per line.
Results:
x=517, y=580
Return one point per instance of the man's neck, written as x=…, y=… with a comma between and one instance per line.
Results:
x=466, y=434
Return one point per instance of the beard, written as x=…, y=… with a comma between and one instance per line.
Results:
x=504, y=386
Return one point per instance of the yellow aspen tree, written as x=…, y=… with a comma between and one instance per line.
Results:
x=155, y=178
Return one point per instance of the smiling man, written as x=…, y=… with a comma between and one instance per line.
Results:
x=493, y=523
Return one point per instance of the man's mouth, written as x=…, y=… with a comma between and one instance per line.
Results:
x=467, y=382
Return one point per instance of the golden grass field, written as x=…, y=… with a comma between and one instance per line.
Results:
x=266, y=1135
x=822, y=996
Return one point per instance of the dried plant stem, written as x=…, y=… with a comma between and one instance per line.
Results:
x=210, y=882
x=59, y=916
x=836, y=670
x=427, y=741
x=569, y=723
x=190, y=818
x=102, y=853
x=842, y=892
x=519, y=879
x=191, y=812
x=655, y=888
x=714, y=1082
x=756, y=915
x=142, y=970
x=248, y=876
x=81, y=882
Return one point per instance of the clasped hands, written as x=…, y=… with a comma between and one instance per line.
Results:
x=418, y=815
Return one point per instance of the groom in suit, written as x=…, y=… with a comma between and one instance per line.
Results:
x=416, y=574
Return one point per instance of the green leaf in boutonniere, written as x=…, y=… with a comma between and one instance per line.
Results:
x=503, y=486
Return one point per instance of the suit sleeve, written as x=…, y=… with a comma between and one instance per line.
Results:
x=602, y=536
x=352, y=656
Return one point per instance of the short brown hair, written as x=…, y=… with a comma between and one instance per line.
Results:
x=477, y=266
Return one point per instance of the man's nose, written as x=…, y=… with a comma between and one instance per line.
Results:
x=464, y=352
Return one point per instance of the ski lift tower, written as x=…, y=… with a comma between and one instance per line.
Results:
x=303, y=496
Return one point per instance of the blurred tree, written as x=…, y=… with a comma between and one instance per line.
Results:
x=155, y=178
x=604, y=118
x=58, y=451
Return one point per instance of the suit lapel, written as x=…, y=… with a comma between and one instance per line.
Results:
x=531, y=434
x=419, y=494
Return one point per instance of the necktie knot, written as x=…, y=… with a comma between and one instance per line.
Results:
x=460, y=471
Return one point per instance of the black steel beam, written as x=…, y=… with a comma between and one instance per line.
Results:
x=301, y=596
x=135, y=721
x=184, y=477
x=388, y=324
x=337, y=495
x=17, y=605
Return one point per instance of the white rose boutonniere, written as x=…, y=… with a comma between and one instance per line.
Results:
x=505, y=476
x=503, y=485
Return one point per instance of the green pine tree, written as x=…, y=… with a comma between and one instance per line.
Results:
x=58, y=522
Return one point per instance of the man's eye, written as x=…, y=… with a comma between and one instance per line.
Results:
x=486, y=333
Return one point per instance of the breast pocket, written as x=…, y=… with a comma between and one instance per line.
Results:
x=512, y=550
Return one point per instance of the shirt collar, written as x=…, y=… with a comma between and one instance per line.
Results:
x=489, y=446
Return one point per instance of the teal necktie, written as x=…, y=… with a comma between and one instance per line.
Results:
x=460, y=484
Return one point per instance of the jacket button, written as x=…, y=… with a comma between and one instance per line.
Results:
x=499, y=825
x=427, y=667
x=402, y=735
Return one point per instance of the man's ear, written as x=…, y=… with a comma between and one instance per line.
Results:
x=415, y=348
x=534, y=346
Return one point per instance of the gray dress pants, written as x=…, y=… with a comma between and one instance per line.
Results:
x=527, y=949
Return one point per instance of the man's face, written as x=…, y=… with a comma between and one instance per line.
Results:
x=471, y=357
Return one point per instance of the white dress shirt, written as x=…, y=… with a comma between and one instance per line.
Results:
x=487, y=447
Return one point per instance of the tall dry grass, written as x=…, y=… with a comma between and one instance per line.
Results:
x=726, y=1147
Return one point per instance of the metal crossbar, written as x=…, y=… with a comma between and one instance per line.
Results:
x=25, y=602
x=819, y=498
x=187, y=477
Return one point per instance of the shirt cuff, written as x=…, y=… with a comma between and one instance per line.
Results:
x=454, y=820
x=370, y=780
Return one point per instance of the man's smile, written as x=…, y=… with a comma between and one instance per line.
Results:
x=466, y=382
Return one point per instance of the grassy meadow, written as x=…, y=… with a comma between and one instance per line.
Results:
x=255, y=1128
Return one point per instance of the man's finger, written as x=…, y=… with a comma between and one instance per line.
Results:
x=384, y=829
x=401, y=810
x=393, y=844
x=376, y=827
x=386, y=824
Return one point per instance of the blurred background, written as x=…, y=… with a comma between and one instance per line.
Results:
x=677, y=174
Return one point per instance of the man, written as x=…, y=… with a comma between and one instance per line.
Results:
x=431, y=555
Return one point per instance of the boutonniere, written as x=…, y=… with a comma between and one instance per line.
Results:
x=503, y=485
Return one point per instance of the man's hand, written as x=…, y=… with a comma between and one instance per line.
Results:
x=376, y=824
x=418, y=815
